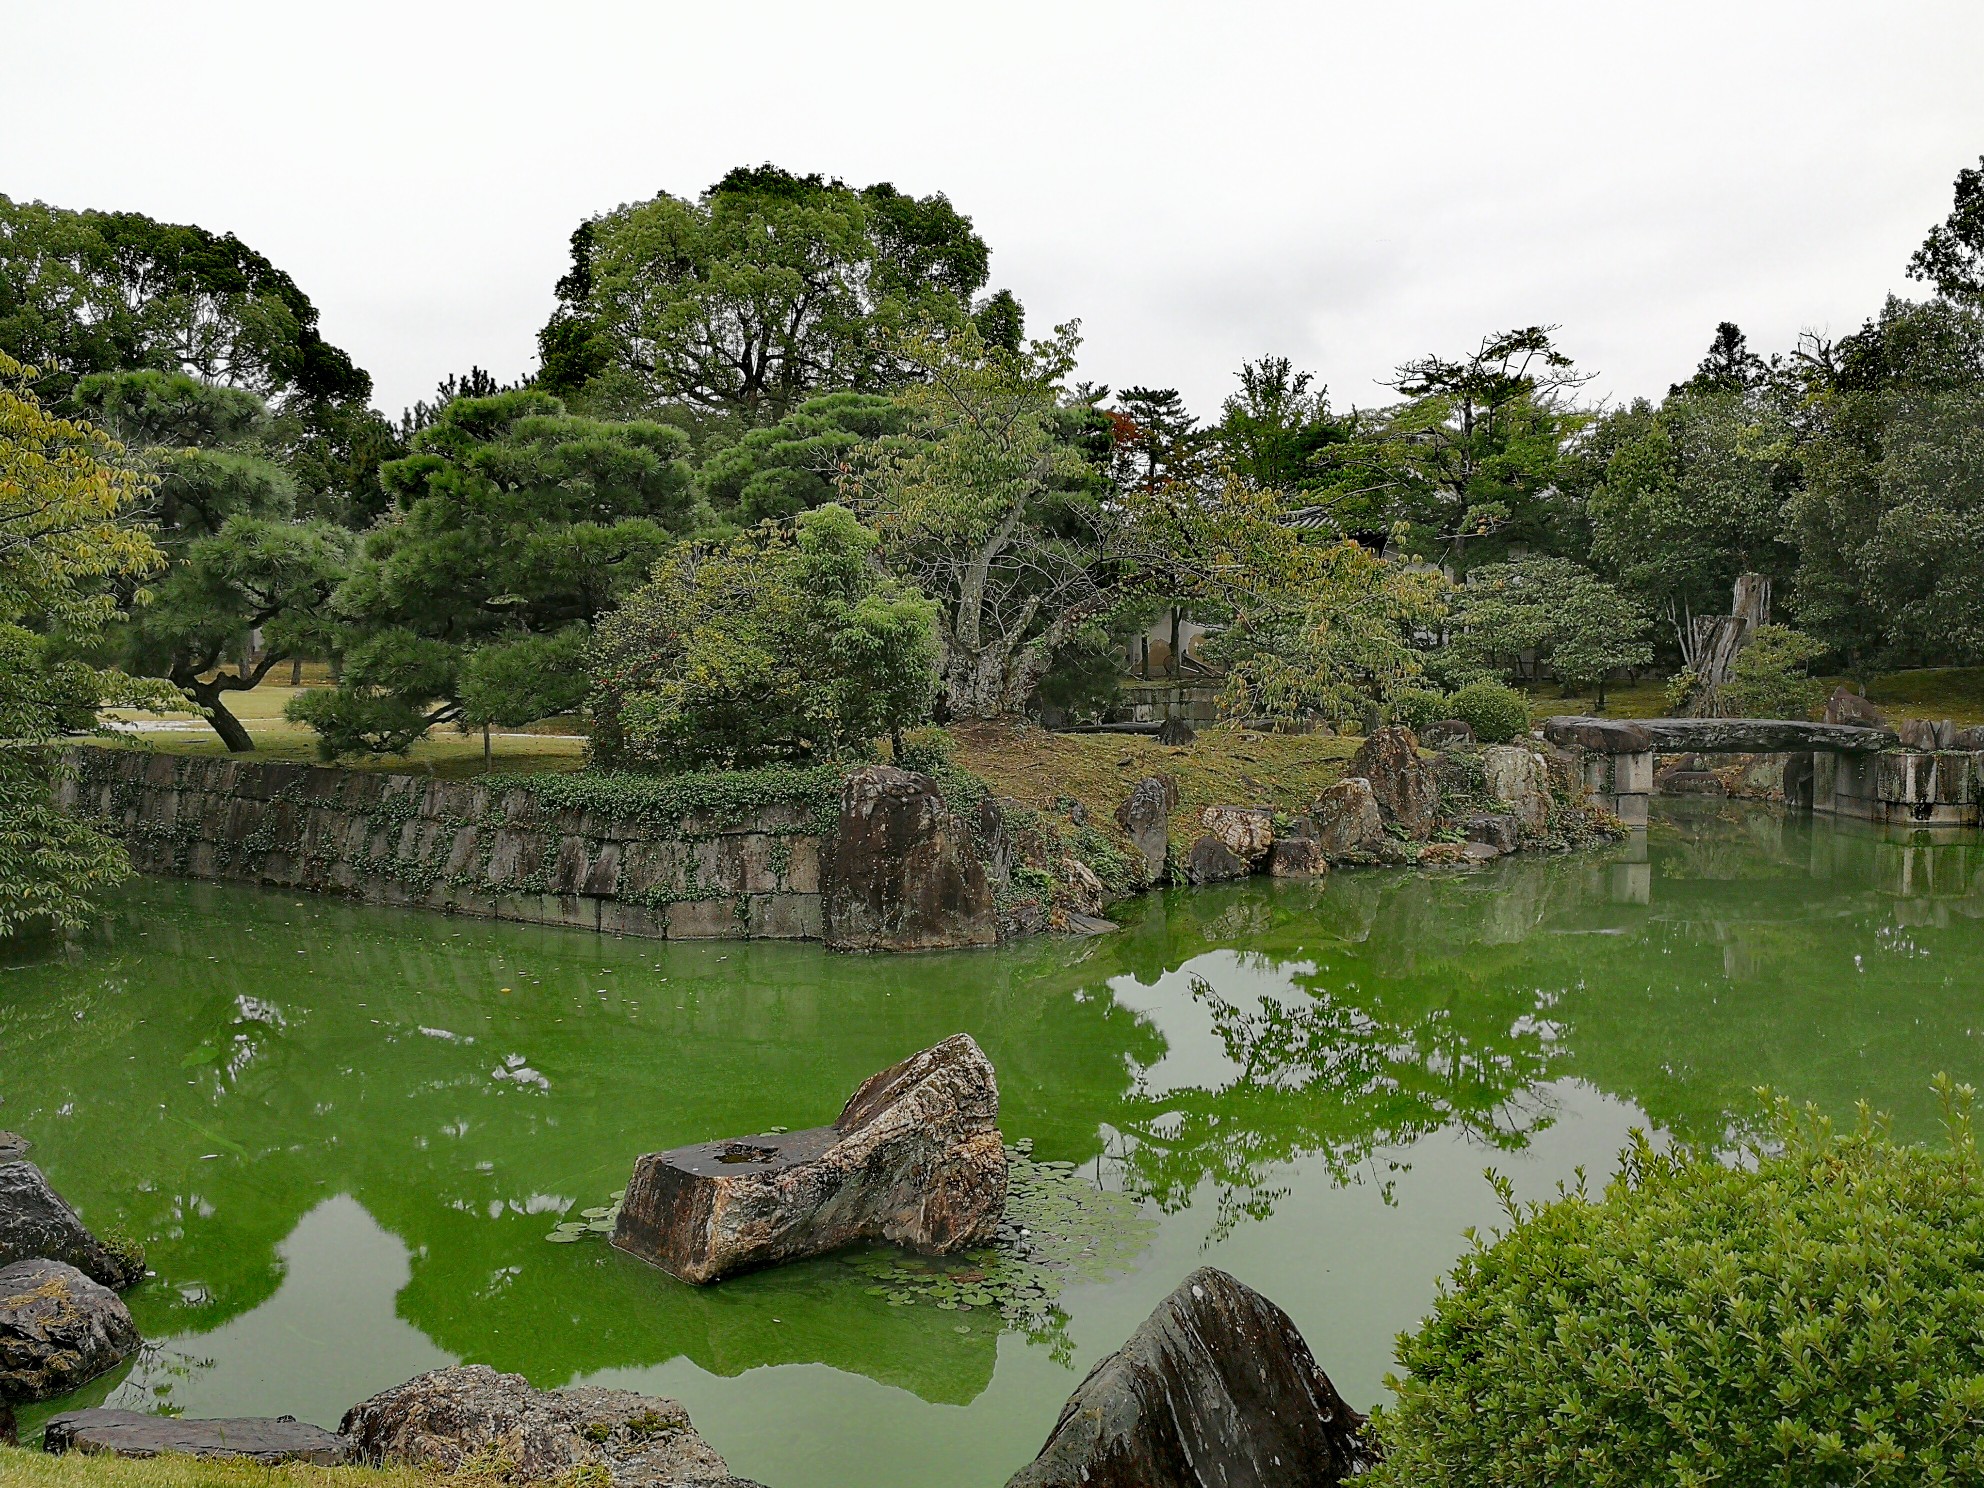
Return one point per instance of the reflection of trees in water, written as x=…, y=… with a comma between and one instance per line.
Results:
x=1336, y=1077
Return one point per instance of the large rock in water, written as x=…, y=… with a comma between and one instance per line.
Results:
x=1245, y=831
x=902, y=875
x=35, y=1222
x=915, y=1157
x=1405, y=786
x=58, y=1329
x=1215, y=1390
x=122, y=1433
x=441, y=1419
x=1212, y=861
x=1519, y=780
x=1146, y=816
x=1346, y=820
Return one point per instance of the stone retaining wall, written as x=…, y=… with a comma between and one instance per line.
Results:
x=457, y=846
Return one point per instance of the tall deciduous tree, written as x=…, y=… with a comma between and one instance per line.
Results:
x=1952, y=256
x=69, y=538
x=763, y=291
x=513, y=520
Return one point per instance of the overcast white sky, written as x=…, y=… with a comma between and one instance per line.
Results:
x=1347, y=184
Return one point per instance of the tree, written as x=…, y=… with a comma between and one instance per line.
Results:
x=765, y=290
x=1548, y=609
x=1272, y=430
x=512, y=519
x=1471, y=460
x=84, y=292
x=795, y=464
x=1157, y=443
x=1729, y=367
x=223, y=510
x=68, y=535
x=783, y=643
x=1768, y=678
x=1952, y=256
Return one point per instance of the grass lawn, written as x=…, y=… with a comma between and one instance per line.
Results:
x=1925, y=692
x=21, y=1469
x=1221, y=767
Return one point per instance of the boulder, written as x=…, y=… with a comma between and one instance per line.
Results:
x=442, y=1419
x=1970, y=740
x=1246, y=831
x=902, y=875
x=1404, y=785
x=1082, y=890
x=1481, y=852
x=1519, y=781
x=1845, y=706
x=1599, y=735
x=1347, y=819
x=1176, y=733
x=1210, y=861
x=1447, y=733
x=1297, y=857
x=58, y=1329
x=1763, y=736
x=1497, y=830
x=35, y=1222
x=1443, y=854
x=1215, y=1390
x=914, y=1157
x=122, y=1433
x=1146, y=817
x=13, y=1146
x=1927, y=735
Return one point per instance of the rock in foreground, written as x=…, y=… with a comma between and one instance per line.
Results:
x=35, y=1222
x=1215, y=1390
x=121, y=1433
x=1406, y=787
x=58, y=1330
x=444, y=1418
x=1146, y=817
x=915, y=1158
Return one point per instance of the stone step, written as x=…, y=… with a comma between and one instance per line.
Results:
x=121, y=1433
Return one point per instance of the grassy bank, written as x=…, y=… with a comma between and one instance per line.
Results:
x=1926, y=692
x=24, y=1469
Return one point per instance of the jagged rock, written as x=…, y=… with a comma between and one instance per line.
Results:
x=1499, y=831
x=914, y=1157
x=13, y=1146
x=1599, y=735
x=1926, y=734
x=1347, y=819
x=1847, y=706
x=1969, y=739
x=58, y=1329
x=1215, y=1390
x=34, y=1221
x=122, y=1433
x=1405, y=786
x=1246, y=831
x=1146, y=816
x=441, y=1419
x=1084, y=891
x=1211, y=861
x=1690, y=783
x=1297, y=857
x=1447, y=733
x=902, y=875
x=1176, y=732
x=1518, y=779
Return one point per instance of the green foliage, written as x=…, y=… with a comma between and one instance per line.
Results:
x=1952, y=256
x=1273, y=430
x=519, y=680
x=793, y=465
x=1415, y=707
x=1496, y=713
x=1553, y=608
x=1768, y=679
x=765, y=290
x=1806, y=1315
x=716, y=798
x=1082, y=680
x=781, y=644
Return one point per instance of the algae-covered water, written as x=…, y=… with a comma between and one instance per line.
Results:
x=343, y=1134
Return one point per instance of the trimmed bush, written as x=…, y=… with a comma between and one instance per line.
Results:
x=1415, y=707
x=1496, y=713
x=1811, y=1315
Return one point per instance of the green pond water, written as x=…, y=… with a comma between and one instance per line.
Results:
x=343, y=1134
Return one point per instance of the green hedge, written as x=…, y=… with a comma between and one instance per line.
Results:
x=1809, y=1315
x=720, y=797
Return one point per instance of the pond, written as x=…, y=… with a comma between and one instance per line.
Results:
x=343, y=1133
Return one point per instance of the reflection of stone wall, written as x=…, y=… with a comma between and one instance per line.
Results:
x=455, y=845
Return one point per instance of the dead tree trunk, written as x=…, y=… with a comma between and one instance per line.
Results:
x=1724, y=641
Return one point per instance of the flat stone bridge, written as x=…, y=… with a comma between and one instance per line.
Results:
x=1845, y=769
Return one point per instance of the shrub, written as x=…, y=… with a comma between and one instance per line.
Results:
x=1768, y=678
x=1415, y=707
x=783, y=644
x=1808, y=1315
x=1496, y=713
